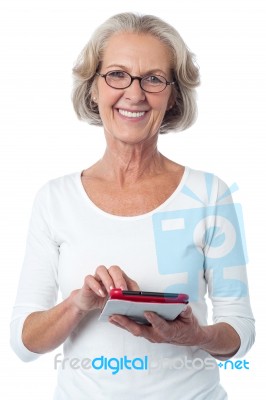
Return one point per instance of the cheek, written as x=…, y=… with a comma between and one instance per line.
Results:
x=157, y=116
x=160, y=108
x=107, y=95
x=105, y=105
x=160, y=103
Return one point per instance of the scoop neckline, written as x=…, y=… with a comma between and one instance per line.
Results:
x=92, y=205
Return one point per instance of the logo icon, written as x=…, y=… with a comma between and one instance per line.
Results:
x=209, y=239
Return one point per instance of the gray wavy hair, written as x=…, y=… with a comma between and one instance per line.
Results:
x=185, y=71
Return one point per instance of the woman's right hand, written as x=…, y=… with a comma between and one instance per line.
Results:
x=45, y=330
x=96, y=288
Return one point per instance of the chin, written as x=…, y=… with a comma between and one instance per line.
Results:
x=134, y=138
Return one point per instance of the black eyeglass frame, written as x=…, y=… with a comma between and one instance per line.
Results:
x=139, y=78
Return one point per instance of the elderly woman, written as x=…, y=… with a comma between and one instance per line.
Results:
x=135, y=219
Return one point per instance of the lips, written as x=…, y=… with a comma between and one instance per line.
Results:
x=131, y=114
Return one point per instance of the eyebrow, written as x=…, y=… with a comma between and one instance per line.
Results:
x=152, y=71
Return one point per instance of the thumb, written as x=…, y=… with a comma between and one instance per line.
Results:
x=187, y=312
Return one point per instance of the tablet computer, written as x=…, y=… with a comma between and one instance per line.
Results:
x=133, y=304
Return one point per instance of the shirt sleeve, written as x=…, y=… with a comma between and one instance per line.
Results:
x=225, y=267
x=38, y=283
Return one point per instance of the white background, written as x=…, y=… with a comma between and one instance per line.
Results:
x=41, y=137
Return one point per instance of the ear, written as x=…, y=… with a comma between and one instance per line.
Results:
x=94, y=93
x=170, y=104
x=171, y=101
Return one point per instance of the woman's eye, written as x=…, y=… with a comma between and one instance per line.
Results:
x=117, y=75
x=153, y=79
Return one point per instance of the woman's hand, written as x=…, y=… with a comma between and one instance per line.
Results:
x=45, y=330
x=220, y=340
x=183, y=331
x=96, y=288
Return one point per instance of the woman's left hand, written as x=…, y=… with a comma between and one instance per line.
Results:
x=183, y=331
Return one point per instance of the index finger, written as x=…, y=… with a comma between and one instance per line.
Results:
x=102, y=276
x=120, y=279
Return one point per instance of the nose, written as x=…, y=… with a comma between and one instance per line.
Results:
x=134, y=92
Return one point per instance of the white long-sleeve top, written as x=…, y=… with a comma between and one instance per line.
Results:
x=192, y=243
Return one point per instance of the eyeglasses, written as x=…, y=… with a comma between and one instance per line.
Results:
x=122, y=80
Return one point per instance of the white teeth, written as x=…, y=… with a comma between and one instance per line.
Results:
x=131, y=114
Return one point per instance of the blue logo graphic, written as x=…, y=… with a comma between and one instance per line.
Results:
x=210, y=237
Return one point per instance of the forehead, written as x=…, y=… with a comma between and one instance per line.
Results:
x=144, y=52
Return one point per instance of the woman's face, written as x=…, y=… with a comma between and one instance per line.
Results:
x=138, y=55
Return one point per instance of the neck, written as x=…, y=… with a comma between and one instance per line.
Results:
x=128, y=164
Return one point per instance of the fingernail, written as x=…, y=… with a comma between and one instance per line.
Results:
x=148, y=316
x=101, y=292
x=113, y=321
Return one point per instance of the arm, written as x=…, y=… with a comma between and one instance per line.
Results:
x=39, y=325
x=43, y=331
x=220, y=340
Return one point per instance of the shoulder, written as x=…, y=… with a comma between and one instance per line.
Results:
x=58, y=187
x=205, y=186
x=64, y=182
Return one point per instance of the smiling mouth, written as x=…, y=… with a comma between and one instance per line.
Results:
x=130, y=114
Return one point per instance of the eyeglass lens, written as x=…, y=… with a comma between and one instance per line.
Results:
x=122, y=80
